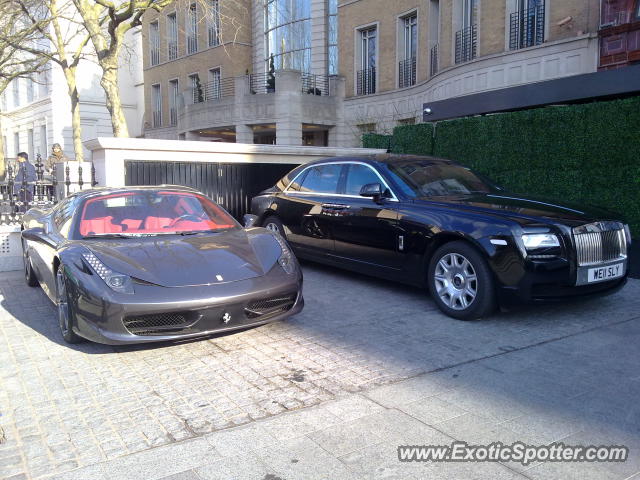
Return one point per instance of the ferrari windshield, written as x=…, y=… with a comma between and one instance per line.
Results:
x=428, y=178
x=151, y=213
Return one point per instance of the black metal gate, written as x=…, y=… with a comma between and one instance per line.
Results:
x=232, y=185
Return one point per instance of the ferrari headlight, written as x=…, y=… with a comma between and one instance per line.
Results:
x=533, y=241
x=116, y=281
x=286, y=260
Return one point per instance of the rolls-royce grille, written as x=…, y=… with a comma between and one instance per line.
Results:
x=600, y=247
x=267, y=307
x=156, y=324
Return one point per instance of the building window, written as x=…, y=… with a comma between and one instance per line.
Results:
x=467, y=37
x=154, y=43
x=213, y=90
x=43, y=140
x=30, y=145
x=44, y=83
x=288, y=34
x=173, y=102
x=367, y=128
x=214, y=24
x=172, y=36
x=409, y=40
x=16, y=92
x=526, y=26
x=16, y=143
x=3, y=101
x=332, y=38
x=30, y=89
x=366, y=76
x=156, y=103
x=197, y=93
x=192, y=29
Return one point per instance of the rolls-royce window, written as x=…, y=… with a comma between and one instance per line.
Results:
x=322, y=179
x=423, y=178
x=358, y=176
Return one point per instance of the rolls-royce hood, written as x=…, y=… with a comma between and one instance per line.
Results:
x=523, y=209
x=201, y=259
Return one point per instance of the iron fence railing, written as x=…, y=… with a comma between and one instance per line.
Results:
x=172, y=50
x=19, y=191
x=213, y=90
x=315, y=84
x=262, y=83
x=466, y=44
x=434, y=61
x=157, y=118
x=527, y=27
x=155, y=56
x=407, y=73
x=173, y=116
x=366, y=81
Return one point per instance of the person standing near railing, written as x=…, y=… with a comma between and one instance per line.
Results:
x=23, y=181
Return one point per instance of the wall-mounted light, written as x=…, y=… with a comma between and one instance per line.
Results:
x=427, y=111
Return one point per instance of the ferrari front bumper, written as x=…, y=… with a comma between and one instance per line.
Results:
x=155, y=313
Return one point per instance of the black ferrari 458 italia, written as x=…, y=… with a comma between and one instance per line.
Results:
x=434, y=223
x=144, y=264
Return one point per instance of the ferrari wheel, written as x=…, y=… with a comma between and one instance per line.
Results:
x=274, y=224
x=29, y=273
x=65, y=317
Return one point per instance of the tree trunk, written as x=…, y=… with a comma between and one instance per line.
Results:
x=109, y=82
x=76, y=127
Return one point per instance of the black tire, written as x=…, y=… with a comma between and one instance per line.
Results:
x=465, y=291
x=29, y=274
x=274, y=224
x=65, y=310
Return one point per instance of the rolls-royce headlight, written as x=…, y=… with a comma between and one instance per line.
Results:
x=286, y=260
x=627, y=232
x=533, y=241
x=116, y=281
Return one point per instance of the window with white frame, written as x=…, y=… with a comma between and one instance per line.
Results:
x=43, y=140
x=409, y=48
x=154, y=43
x=30, y=89
x=3, y=101
x=366, y=75
x=16, y=143
x=213, y=90
x=192, y=29
x=156, y=105
x=332, y=37
x=527, y=24
x=173, y=102
x=30, y=144
x=214, y=23
x=172, y=36
x=466, y=47
x=15, y=85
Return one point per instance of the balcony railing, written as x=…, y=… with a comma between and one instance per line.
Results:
x=366, y=81
x=214, y=35
x=315, y=84
x=214, y=90
x=173, y=116
x=157, y=119
x=434, y=62
x=192, y=44
x=172, y=50
x=527, y=28
x=466, y=44
x=407, y=73
x=262, y=83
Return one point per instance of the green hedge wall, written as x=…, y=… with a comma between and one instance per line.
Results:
x=375, y=140
x=587, y=154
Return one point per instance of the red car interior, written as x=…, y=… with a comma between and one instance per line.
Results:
x=163, y=212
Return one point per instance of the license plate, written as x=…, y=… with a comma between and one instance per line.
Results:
x=602, y=274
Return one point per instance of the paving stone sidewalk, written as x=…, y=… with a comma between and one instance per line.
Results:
x=66, y=408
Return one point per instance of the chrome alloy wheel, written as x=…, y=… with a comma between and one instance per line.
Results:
x=456, y=281
x=63, y=307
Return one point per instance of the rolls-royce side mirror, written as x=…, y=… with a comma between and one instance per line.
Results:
x=249, y=220
x=372, y=190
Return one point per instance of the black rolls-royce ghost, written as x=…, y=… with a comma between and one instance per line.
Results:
x=435, y=223
x=146, y=264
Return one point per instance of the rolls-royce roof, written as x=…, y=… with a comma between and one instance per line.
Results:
x=383, y=158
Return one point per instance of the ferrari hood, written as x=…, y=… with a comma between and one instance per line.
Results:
x=202, y=259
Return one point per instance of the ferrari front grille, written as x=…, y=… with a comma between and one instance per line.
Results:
x=267, y=307
x=157, y=323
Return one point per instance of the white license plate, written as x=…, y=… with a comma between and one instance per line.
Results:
x=602, y=274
